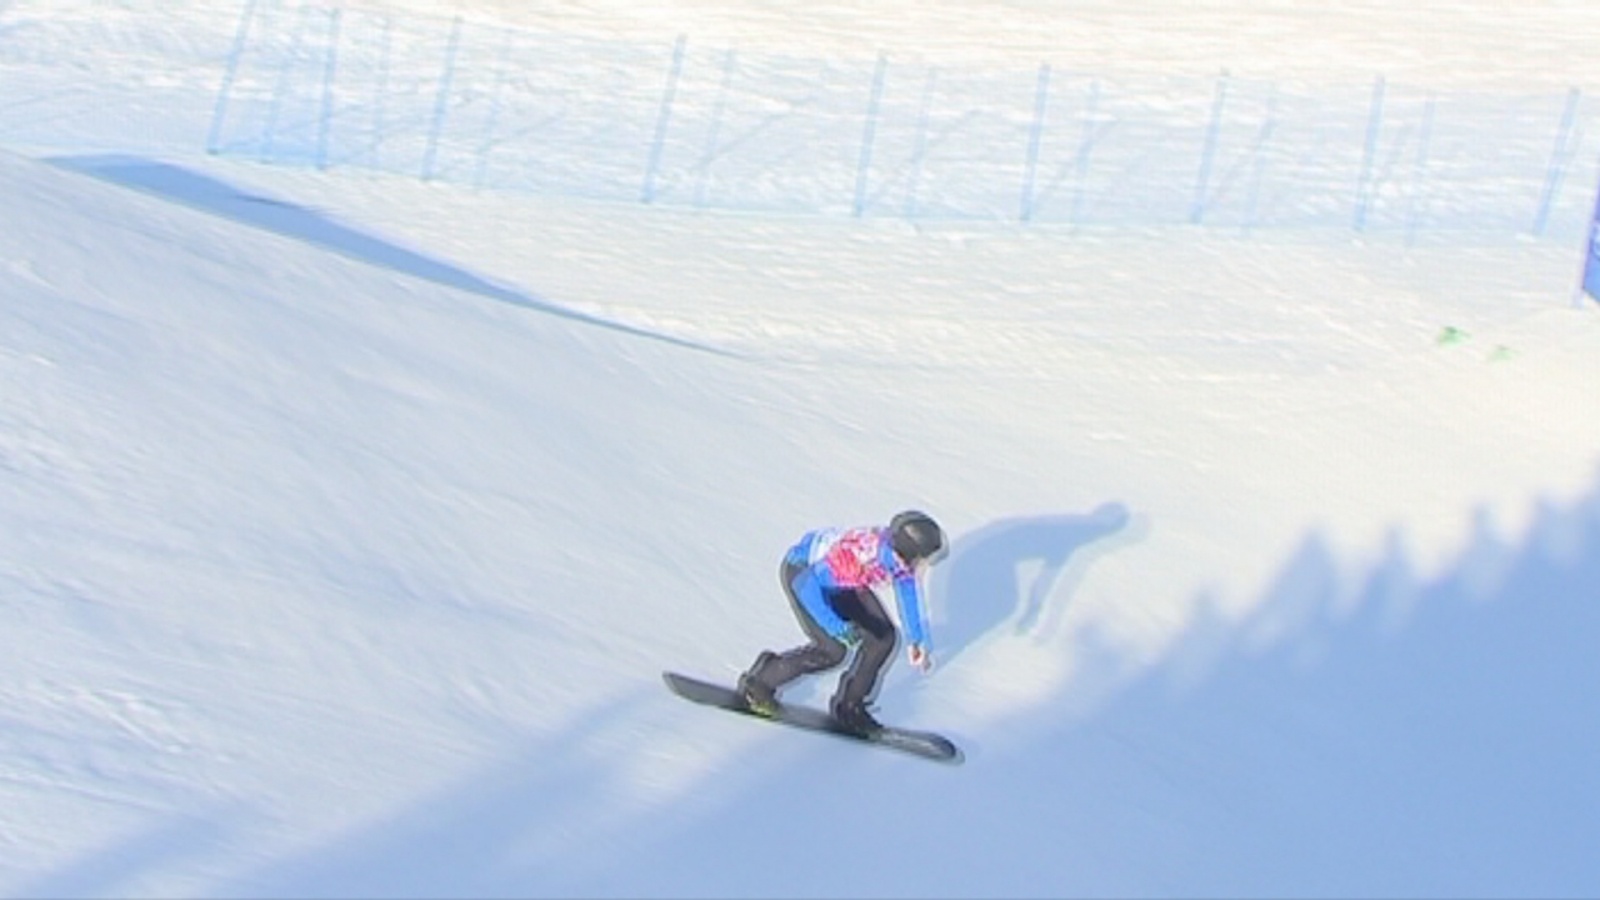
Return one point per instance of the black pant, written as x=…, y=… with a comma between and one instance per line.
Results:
x=861, y=608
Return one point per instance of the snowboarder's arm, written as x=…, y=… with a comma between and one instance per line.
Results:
x=909, y=596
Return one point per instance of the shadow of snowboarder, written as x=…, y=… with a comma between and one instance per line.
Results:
x=985, y=582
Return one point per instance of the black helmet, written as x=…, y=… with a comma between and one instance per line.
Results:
x=915, y=535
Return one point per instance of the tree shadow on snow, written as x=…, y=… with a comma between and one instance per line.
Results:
x=1360, y=731
x=1368, y=732
x=218, y=198
x=1357, y=733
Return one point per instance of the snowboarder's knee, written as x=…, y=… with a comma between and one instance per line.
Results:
x=831, y=652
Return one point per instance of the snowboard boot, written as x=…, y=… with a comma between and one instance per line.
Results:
x=853, y=716
x=758, y=696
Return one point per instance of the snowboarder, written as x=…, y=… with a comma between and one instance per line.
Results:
x=830, y=578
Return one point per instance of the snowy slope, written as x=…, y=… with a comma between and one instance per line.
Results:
x=349, y=521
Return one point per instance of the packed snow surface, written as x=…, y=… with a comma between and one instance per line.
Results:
x=349, y=519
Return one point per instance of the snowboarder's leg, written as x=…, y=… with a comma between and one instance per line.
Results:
x=772, y=671
x=878, y=638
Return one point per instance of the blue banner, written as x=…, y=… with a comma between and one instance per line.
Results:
x=1591, y=264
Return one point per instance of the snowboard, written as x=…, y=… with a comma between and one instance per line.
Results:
x=925, y=744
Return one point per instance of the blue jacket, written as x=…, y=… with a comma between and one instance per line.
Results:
x=834, y=559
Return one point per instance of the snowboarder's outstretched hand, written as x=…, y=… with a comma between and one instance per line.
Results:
x=920, y=658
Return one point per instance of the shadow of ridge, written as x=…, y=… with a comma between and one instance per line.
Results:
x=210, y=195
x=475, y=837
x=177, y=838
